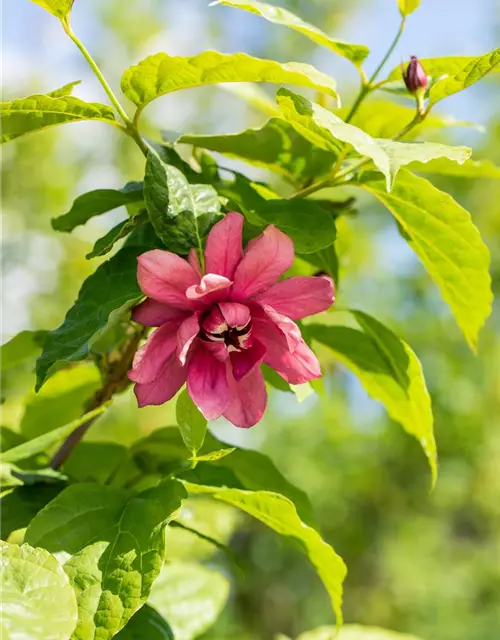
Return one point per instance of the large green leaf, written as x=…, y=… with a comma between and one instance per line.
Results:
x=38, y=602
x=354, y=632
x=23, y=347
x=467, y=169
x=190, y=596
x=104, y=297
x=94, y=203
x=389, y=371
x=192, y=424
x=20, y=506
x=146, y=624
x=356, y=53
x=465, y=77
x=116, y=543
x=448, y=65
x=161, y=74
x=327, y=131
x=37, y=112
x=181, y=213
x=104, y=244
x=408, y=153
x=279, y=513
x=310, y=226
x=275, y=146
x=442, y=234
x=408, y=6
x=58, y=8
x=47, y=440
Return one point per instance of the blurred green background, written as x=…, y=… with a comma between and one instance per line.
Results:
x=419, y=563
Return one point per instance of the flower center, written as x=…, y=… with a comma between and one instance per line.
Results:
x=214, y=328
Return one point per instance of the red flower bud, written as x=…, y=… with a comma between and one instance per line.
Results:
x=415, y=77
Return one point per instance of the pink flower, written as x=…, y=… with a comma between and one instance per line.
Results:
x=215, y=330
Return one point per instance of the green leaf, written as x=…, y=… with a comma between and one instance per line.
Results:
x=103, y=299
x=407, y=6
x=213, y=456
x=66, y=90
x=181, y=214
x=20, y=506
x=21, y=348
x=468, y=169
x=161, y=74
x=389, y=371
x=104, y=245
x=14, y=476
x=116, y=543
x=326, y=260
x=356, y=53
x=408, y=153
x=443, y=236
x=192, y=424
x=327, y=131
x=474, y=71
x=58, y=8
x=37, y=600
x=47, y=440
x=37, y=112
x=62, y=400
x=94, y=203
x=190, y=596
x=146, y=624
x=275, y=146
x=435, y=67
x=280, y=514
x=354, y=632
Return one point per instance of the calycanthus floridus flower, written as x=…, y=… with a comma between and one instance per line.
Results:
x=215, y=329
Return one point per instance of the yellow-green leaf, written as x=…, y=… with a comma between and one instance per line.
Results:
x=465, y=77
x=467, y=169
x=161, y=74
x=280, y=514
x=58, y=8
x=37, y=112
x=354, y=632
x=450, y=247
x=356, y=53
x=389, y=371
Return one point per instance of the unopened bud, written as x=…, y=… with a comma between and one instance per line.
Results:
x=414, y=76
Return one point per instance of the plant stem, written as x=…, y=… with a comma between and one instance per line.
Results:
x=130, y=127
x=367, y=87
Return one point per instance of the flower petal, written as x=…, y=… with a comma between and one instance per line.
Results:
x=266, y=258
x=207, y=383
x=223, y=251
x=151, y=357
x=186, y=334
x=217, y=349
x=170, y=379
x=194, y=261
x=235, y=314
x=287, y=327
x=214, y=322
x=165, y=277
x=211, y=283
x=151, y=313
x=245, y=360
x=295, y=367
x=248, y=399
x=299, y=296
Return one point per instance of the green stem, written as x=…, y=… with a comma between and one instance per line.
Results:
x=130, y=127
x=367, y=87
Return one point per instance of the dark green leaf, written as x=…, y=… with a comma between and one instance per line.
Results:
x=37, y=112
x=103, y=299
x=161, y=74
x=181, y=214
x=20, y=506
x=275, y=146
x=116, y=542
x=356, y=53
x=190, y=596
x=146, y=624
x=37, y=600
x=121, y=230
x=442, y=234
x=94, y=203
